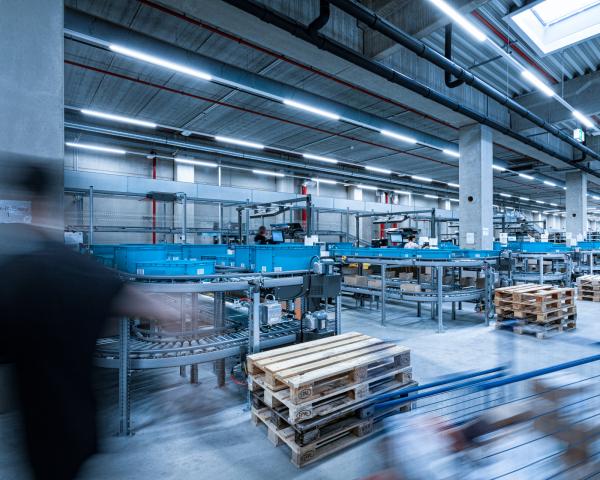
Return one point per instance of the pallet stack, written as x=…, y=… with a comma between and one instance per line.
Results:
x=314, y=397
x=588, y=287
x=539, y=310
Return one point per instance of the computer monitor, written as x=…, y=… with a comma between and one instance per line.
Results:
x=277, y=236
x=396, y=238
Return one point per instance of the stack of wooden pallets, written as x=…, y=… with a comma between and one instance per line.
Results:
x=588, y=288
x=314, y=397
x=538, y=310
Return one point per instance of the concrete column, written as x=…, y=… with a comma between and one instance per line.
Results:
x=31, y=98
x=476, y=187
x=31, y=107
x=355, y=193
x=576, y=204
x=185, y=173
x=285, y=185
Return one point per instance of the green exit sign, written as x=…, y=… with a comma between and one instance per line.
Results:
x=579, y=135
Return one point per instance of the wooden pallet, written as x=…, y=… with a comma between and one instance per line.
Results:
x=589, y=298
x=589, y=280
x=329, y=402
x=327, y=439
x=539, y=330
x=323, y=367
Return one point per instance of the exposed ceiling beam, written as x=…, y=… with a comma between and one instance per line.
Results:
x=417, y=18
x=581, y=92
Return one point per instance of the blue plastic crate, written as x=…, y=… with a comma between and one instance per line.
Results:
x=276, y=258
x=128, y=256
x=175, y=267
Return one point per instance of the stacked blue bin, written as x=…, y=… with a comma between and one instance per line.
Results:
x=276, y=258
x=175, y=267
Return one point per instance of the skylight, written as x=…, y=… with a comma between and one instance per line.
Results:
x=551, y=25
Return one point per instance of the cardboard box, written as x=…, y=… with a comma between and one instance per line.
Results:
x=425, y=277
x=356, y=280
x=480, y=283
x=374, y=283
x=467, y=282
x=406, y=275
x=410, y=287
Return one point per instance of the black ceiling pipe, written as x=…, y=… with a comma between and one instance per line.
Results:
x=324, y=13
x=448, y=54
x=386, y=28
x=324, y=43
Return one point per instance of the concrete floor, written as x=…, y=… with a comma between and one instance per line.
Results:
x=188, y=431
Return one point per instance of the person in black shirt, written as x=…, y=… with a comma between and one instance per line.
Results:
x=54, y=303
x=261, y=236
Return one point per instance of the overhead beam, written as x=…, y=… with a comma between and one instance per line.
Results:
x=417, y=18
x=103, y=33
x=583, y=93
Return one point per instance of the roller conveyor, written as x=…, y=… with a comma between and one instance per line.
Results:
x=145, y=353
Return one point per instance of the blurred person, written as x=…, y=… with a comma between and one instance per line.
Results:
x=261, y=236
x=54, y=303
x=411, y=243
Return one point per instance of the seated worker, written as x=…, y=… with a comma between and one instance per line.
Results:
x=411, y=243
x=261, y=236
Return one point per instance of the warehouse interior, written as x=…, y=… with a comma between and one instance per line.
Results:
x=360, y=238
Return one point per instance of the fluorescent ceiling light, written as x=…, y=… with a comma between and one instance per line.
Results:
x=397, y=136
x=536, y=82
x=452, y=153
x=583, y=119
x=524, y=198
x=96, y=148
x=505, y=195
x=553, y=205
x=242, y=143
x=535, y=211
x=377, y=169
x=551, y=25
x=595, y=197
x=430, y=196
x=118, y=118
x=540, y=202
x=161, y=62
x=462, y=21
x=310, y=156
x=454, y=200
x=455, y=185
x=401, y=192
x=421, y=179
x=528, y=177
x=199, y=163
x=268, y=172
x=499, y=168
x=324, y=180
x=550, y=184
x=308, y=108
x=366, y=187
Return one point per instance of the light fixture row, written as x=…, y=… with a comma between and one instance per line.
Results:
x=528, y=75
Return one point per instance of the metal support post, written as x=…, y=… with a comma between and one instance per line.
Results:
x=220, y=221
x=219, y=323
x=124, y=378
x=440, y=298
x=347, y=223
x=241, y=239
x=338, y=314
x=184, y=222
x=254, y=322
x=541, y=269
x=247, y=227
x=432, y=230
x=91, y=215
x=383, y=270
x=357, y=218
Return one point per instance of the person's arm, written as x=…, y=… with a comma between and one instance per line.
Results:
x=132, y=302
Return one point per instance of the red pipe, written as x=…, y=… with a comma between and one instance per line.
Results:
x=515, y=48
x=304, y=191
x=154, y=203
x=382, y=225
x=291, y=61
